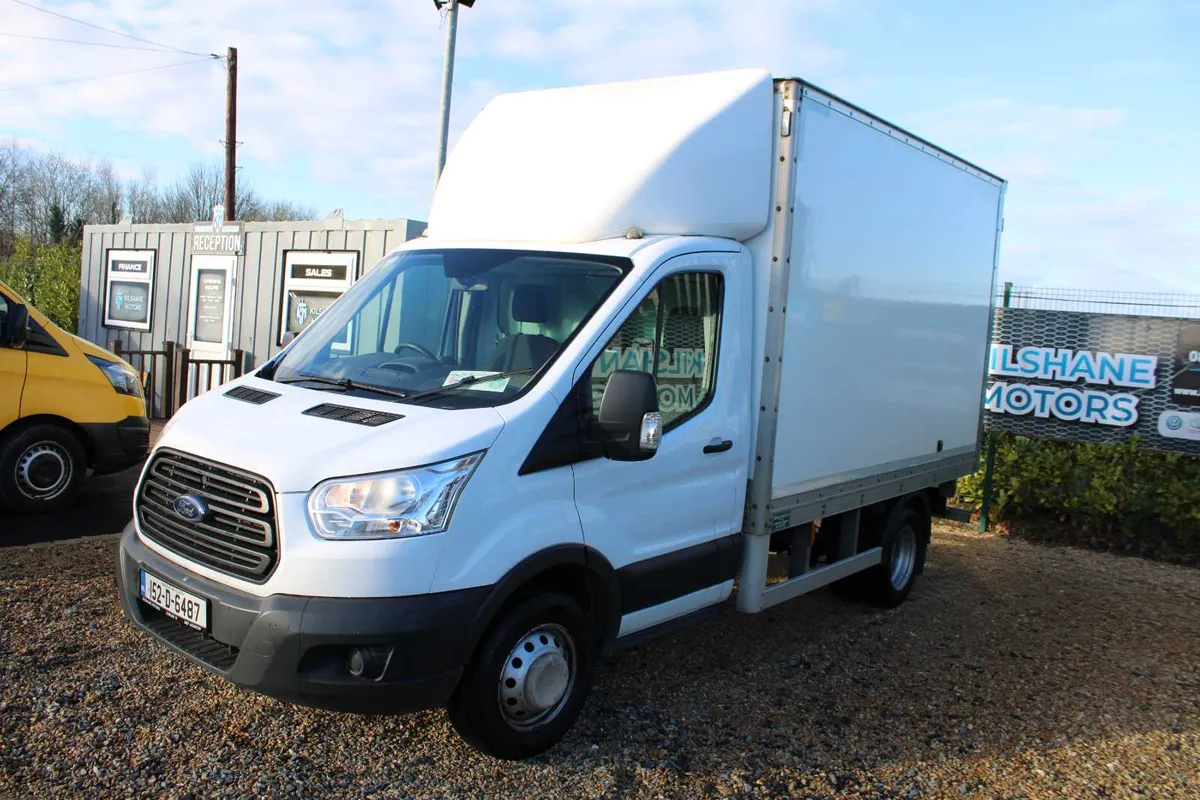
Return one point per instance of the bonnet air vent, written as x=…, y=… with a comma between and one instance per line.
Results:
x=249, y=395
x=359, y=416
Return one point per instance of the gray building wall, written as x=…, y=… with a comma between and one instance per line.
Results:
x=256, y=299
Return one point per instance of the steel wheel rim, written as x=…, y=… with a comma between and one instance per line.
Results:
x=43, y=471
x=537, y=678
x=904, y=556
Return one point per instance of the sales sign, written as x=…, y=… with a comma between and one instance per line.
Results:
x=312, y=281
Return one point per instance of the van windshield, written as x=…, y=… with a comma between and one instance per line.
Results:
x=454, y=328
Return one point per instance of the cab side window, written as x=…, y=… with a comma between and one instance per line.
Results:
x=673, y=334
x=3, y=312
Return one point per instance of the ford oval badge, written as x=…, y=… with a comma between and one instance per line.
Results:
x=189, y=507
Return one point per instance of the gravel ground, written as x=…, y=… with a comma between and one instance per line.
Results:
x=1013, y=671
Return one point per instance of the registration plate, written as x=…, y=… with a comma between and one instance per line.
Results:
x=174, y=602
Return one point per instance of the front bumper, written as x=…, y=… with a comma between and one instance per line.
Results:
x=117, y=445
x=294, y=648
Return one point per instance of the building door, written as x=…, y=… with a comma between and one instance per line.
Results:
x=210, y=320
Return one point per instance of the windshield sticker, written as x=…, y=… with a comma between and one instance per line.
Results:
x=480, y=385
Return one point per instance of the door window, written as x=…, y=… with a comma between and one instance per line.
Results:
x=673, y=334
x=3, y=312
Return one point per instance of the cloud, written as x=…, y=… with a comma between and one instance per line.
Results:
x=350, y=92
x=1065, y=224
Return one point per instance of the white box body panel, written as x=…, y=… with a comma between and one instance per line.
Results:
x=888, y=303
x=687, y=155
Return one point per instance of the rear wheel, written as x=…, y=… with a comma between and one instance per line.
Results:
x=41, y=469
x=887, y=584
x=528, y=680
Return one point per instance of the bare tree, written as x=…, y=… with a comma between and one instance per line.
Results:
x=143, y=201
x=192, y=197
x=105, y=198
x=12, y=161
x=33, y=184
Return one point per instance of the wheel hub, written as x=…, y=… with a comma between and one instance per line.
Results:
x=904, y=556
x=537, y=676
x=43, y=471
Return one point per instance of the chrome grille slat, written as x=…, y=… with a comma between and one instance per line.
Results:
x=238, y=522
x=198, y=552
x=205, y=533
x=256, y=500
x=236, y=536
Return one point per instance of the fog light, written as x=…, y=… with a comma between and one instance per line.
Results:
x=368, y=662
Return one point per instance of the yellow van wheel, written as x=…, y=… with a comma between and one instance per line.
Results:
x=41, y=468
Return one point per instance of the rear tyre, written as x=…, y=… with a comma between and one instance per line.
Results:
x=528, y=679
x=41, y=469
x=888, y=584
x=904, y=541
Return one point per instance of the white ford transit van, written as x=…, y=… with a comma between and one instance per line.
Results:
x=656, y=331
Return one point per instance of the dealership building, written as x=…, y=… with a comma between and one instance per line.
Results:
x=221, y=289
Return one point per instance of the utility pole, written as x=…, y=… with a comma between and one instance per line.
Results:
x=451, y=7
x=231, y=134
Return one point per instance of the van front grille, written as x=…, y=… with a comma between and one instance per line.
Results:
x=235, y=533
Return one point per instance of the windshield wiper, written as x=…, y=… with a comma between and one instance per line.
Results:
x=344, y=383
x=467, y=381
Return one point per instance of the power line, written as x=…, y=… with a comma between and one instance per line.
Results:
x=100, y=77
x=90, y=44
x=109, y=30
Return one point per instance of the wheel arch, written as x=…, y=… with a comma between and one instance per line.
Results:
x=575, y=570
x=24, y=423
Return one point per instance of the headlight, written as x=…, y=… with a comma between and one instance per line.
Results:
x=410, y=502
x=122, y=378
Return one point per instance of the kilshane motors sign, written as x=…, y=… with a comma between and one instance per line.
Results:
x=1093, y=377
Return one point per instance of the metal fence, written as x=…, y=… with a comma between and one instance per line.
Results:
x=1101, y=301
x=171, y=376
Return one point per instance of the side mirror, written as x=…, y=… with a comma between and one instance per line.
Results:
x=629, y=422
x=16, y=326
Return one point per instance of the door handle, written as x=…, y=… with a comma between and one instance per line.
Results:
x=718, y=445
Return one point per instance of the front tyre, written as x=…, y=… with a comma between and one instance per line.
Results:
x=41, y=469
x=528, y=680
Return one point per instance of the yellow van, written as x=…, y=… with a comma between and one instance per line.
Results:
x=66, y=407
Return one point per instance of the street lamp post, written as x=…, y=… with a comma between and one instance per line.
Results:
x=451, y=7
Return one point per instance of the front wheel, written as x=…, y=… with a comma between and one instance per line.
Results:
x=41, y=468
x=528, y=680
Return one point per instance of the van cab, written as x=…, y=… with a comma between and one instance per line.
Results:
x=67, y=407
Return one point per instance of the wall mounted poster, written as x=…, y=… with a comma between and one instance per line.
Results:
x=129, y=289
x=210, y=306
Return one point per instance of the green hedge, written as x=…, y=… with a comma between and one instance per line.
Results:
x=48, y=277
x=1108, y=496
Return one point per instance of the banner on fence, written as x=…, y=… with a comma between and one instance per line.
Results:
x=1095, y=377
